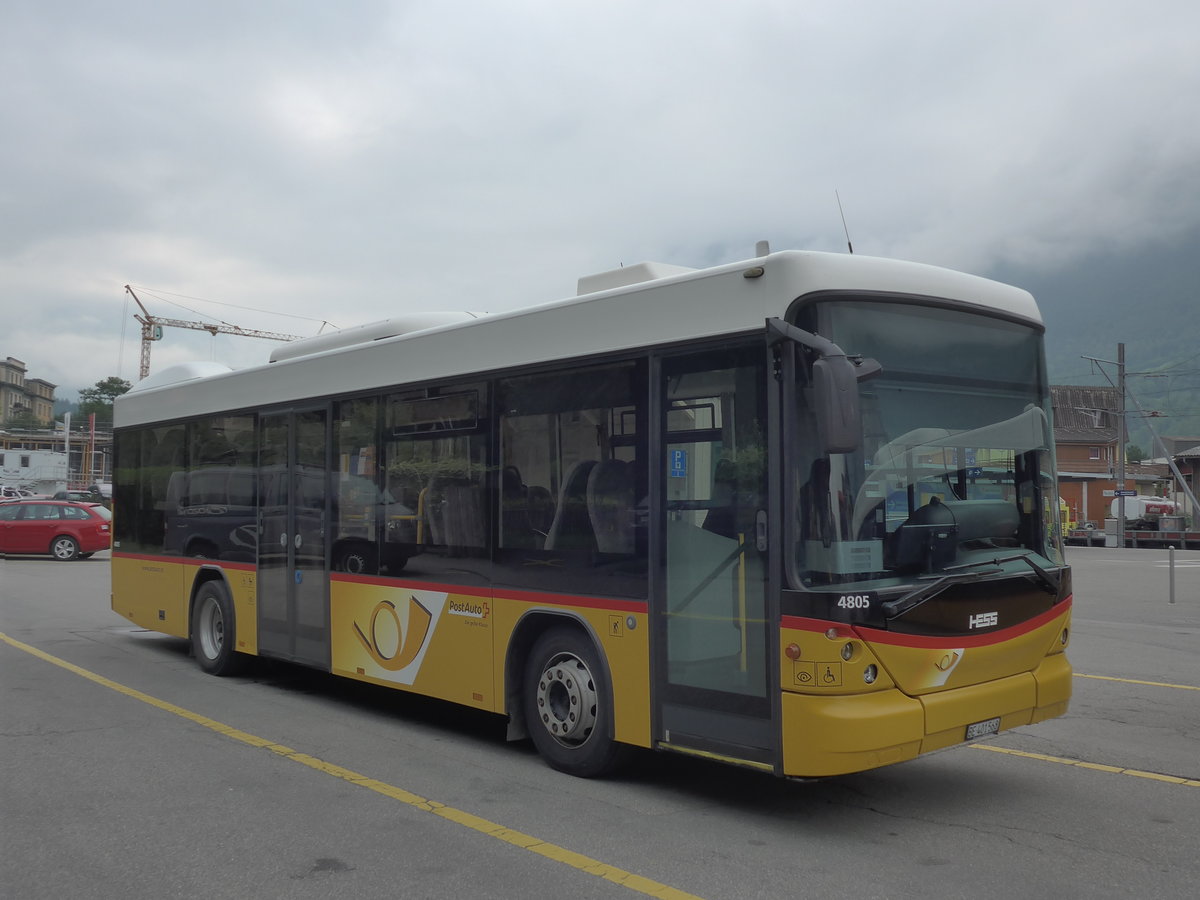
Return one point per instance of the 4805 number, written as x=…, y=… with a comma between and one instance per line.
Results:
x=855, y=601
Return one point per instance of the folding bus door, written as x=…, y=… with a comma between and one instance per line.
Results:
x=709, y=600
x=293, y=575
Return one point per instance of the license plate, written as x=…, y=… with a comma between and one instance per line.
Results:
x=979, y=729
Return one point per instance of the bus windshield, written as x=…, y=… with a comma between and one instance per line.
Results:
x=955, y=471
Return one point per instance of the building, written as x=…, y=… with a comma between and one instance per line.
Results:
x=1179, y=446
x=41, y=471
x=31, y=456
x=1187, y=460
x=1087, y=446
x=33, y=446
x=22, y=396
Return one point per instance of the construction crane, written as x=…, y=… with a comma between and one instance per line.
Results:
x=152, y=327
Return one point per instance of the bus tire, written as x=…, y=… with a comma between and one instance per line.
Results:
x=567, y=707
x=214, y=631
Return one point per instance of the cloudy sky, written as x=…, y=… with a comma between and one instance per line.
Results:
x=279, y=165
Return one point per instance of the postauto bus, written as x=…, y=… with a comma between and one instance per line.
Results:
x=797, y=513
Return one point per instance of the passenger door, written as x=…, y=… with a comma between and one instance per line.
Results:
x=293, y=577
x=709, y=604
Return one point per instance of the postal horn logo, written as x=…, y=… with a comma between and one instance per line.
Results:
x=408, y=642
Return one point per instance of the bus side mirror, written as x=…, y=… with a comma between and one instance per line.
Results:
x=835, y=396
x=835, y=379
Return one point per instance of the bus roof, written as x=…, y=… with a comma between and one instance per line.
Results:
x=650, y=305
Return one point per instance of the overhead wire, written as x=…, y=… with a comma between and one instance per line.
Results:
x=159, y=294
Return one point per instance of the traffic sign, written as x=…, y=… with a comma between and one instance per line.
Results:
x=679, y=464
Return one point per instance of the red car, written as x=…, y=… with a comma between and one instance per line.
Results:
x=61, y=528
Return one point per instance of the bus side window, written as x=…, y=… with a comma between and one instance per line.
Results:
x=168, y=455
x=572, y=469
x=435, y=455
x=356, y=499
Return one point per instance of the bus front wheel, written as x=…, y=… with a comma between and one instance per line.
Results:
x=214, y=631
x=568, y=711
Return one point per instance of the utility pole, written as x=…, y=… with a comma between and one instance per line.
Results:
x=1121, y=438
x=1121, y=445
x=152, y=327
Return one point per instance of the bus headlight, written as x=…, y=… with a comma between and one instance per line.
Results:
x=870, y=673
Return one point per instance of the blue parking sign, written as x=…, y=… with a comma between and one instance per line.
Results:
x=678, y=467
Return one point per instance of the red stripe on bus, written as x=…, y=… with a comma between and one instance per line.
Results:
x=620, y=605
x=187, y=561
x=878, y=636
x=625, y=605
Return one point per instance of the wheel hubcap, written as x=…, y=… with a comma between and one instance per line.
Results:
x=566, y=700
x=212, y=629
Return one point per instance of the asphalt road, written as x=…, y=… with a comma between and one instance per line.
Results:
x=128, y=773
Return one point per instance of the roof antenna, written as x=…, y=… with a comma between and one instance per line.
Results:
x=843, y=215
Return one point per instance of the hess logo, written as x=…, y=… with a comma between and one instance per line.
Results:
x=983, y=620
x=389, y=644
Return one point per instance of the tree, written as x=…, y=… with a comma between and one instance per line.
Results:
x=99, y=399
x=23, y=419
x=1134, y=453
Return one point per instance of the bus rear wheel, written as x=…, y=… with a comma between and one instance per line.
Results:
x=568, y=711
x=214, y=631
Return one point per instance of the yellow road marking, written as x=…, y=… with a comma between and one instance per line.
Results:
x=528, y=842
x=1115, y=770
x=1181, y=687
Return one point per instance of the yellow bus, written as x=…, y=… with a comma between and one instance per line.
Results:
x=796, y=513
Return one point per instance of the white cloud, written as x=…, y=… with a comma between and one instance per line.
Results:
x=351, y=161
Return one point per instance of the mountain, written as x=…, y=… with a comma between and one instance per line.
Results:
x=1147, y=298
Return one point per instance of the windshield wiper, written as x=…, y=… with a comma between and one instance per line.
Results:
x=915, y=598
x=957, y=575
x=1048, y=579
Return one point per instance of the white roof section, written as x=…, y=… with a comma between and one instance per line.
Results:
x=372, y=331
x=626, y=275
x=683, y=304
x=177, y=374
